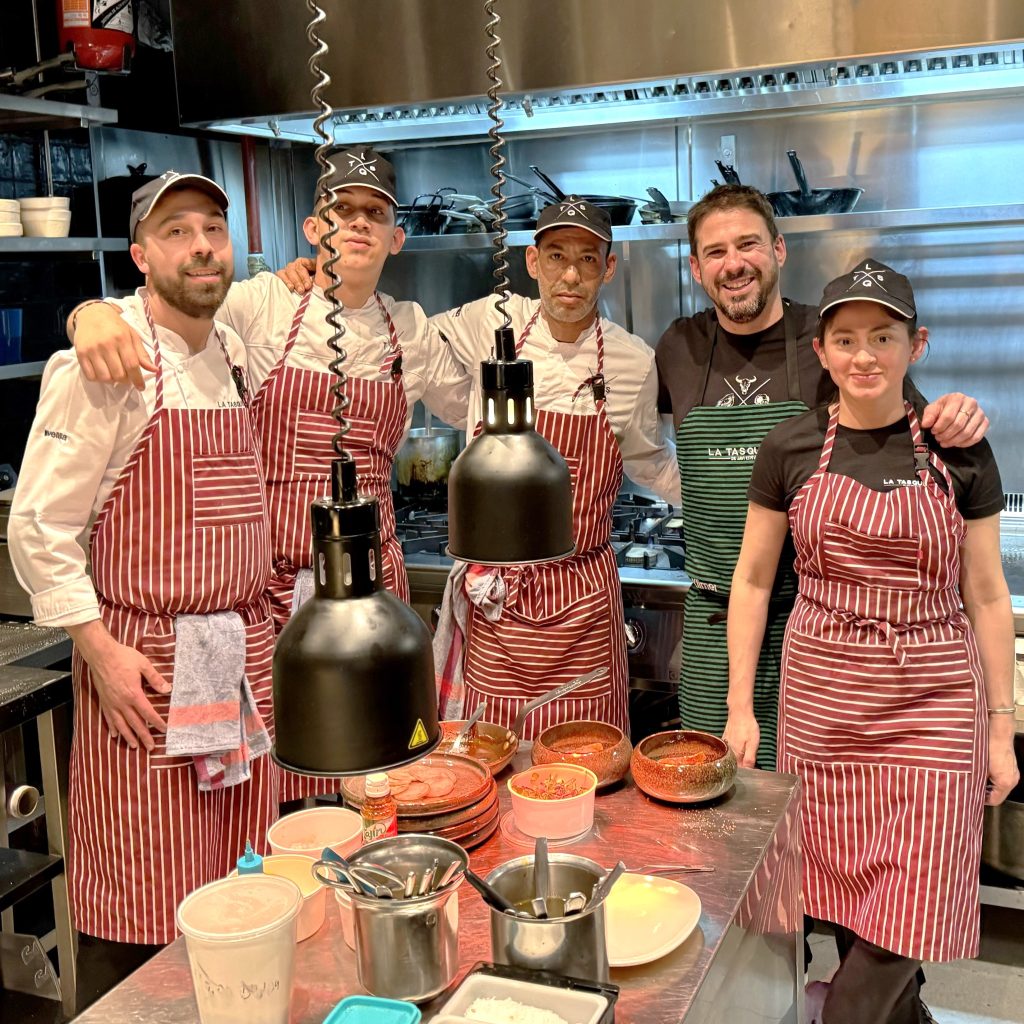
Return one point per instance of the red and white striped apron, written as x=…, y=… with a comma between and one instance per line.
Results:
x=561, y=619
x=882, y=711
x=292, y=412
x=294, y=423
x=184, y=531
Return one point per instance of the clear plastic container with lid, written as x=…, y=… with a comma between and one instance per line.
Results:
x=379, y=811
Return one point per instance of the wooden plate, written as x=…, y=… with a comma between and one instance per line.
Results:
x=434, y=784
x=432, y=822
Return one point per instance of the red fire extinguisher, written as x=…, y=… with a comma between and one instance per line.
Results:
x=100, y=33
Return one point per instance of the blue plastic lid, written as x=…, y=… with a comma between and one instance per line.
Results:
x=250, y=863
x=373, y=1010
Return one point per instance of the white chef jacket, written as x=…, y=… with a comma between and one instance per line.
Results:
x=560, y=367
x=261, y=310
x=82, y=437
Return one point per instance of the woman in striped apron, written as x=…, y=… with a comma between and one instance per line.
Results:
x=896, y=701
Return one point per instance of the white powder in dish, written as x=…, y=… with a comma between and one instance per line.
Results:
x=509, y=1011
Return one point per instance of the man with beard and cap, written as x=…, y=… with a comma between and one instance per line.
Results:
x=507, y=635
x=172, y=624
x=394, y=358
x=728, y=375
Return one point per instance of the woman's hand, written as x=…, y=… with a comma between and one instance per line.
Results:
x=1003, y=773
x=298, y=275
x=744, y=736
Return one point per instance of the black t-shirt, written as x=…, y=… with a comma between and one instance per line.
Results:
x=881, y=459
x=742, y=365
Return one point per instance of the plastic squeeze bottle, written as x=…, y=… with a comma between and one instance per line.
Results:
x=380, y=812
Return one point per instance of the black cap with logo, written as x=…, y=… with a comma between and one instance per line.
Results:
x=146, y=197
x=871, y=281
x=365, y=167
x=574, y=212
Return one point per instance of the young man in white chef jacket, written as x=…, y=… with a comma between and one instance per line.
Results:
x=172, y=474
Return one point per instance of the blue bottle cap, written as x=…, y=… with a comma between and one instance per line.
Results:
x=250, y=863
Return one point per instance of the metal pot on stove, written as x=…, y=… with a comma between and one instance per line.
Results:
x=423, y=462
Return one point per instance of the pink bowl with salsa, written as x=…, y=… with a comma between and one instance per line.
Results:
x=553, y=800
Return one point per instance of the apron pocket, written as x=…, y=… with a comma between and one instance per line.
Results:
x=225, y=490
x=863, y=560
x=849, y=701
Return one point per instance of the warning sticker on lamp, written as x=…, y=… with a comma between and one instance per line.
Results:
x=419, y=735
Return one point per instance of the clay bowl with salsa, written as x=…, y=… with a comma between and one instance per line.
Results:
x=683, y=766
x=492, y=745
x=553, y=800
x=596, y=745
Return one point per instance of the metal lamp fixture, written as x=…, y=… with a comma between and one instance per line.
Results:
x=354, y=688
x=509, y=492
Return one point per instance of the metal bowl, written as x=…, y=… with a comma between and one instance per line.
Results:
x=683, y=783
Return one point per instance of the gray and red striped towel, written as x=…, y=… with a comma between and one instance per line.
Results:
x=212, y=716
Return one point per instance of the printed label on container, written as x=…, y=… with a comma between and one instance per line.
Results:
x=115, y=15
x=380, y=830
x=75, y=13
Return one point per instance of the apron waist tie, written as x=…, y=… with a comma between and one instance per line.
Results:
x=891, y=634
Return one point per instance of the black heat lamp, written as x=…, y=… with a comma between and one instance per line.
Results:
x=354, y=688
x=509, y=492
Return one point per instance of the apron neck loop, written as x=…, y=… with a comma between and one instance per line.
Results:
x=393, y=357
x=595, y=381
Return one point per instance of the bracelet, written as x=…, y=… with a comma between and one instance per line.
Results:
x=78, y=309
x=1011, y=710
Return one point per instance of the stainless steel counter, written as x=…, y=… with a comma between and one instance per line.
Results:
x=744, y=962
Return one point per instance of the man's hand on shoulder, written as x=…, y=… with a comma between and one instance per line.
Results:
x=108, y=350
x=298, y=275
x=955, y=420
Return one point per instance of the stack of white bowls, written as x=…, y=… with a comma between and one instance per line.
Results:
x=46, y=216
x=10, y=219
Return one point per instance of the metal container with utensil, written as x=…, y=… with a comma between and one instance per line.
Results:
x=423, y=462
x=572, y=945
x=408, y=948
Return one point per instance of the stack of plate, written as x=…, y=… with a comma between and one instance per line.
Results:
x=10, y=219
x=446, y=795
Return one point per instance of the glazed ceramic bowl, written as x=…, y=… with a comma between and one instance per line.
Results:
x=553, y=817
x=595, y=745
x=314, y=895
x=307, y=832
x=490, y=744
x=683, y=766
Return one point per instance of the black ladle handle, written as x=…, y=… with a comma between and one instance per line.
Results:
x=798, y=172
x=491, y=896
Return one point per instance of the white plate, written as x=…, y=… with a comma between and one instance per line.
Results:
x=646, y=917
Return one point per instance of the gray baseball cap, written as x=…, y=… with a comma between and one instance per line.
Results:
x=145, y=198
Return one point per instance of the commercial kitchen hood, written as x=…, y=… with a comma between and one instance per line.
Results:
x=404, y=71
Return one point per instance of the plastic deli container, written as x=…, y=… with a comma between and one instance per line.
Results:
x=314, y=895
x=240, y=937
x=372, y=1010
x=306, y=833
x=574, y=1001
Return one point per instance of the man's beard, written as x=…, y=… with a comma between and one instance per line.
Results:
x=194, y=299
x=553, y=310
x=745, y=310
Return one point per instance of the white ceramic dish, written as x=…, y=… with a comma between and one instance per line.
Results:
x=307, y=832
x=556, y=819
x=11, y=231
x=10, y=205
x=44, y=203
x=10, y=216
x=646, y=917
x=46, y=223
x=573, y=1007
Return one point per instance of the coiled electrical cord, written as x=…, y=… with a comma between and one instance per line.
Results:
x=497, y=148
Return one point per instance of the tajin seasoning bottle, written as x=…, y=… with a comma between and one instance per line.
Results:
x=380, y=812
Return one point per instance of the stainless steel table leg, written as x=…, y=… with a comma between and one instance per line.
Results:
x=53, y=758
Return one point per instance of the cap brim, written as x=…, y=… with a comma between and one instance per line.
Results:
x=196, y=181
x=551, y=227
x=889, y=302
x=375, y=188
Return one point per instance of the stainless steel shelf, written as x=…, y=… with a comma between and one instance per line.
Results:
x=24, y=112
x=16, y=371
x=50, y=246
x=907, y=220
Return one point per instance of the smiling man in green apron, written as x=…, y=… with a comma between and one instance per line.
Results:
x=727, y=376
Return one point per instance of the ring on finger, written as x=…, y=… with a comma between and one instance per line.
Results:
x=963, y=412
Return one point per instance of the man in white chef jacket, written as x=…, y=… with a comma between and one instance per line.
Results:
x=527, y=629
x=394, y=357
x=171, y=473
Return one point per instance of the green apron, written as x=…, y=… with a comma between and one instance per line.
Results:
x=716, y=446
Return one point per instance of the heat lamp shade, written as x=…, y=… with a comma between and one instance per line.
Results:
x=354, y=687
x=510, y=501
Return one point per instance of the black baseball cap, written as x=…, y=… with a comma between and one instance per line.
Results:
x=574, y=212
x=146, y=197
x=871, y=281
x=362, y=166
